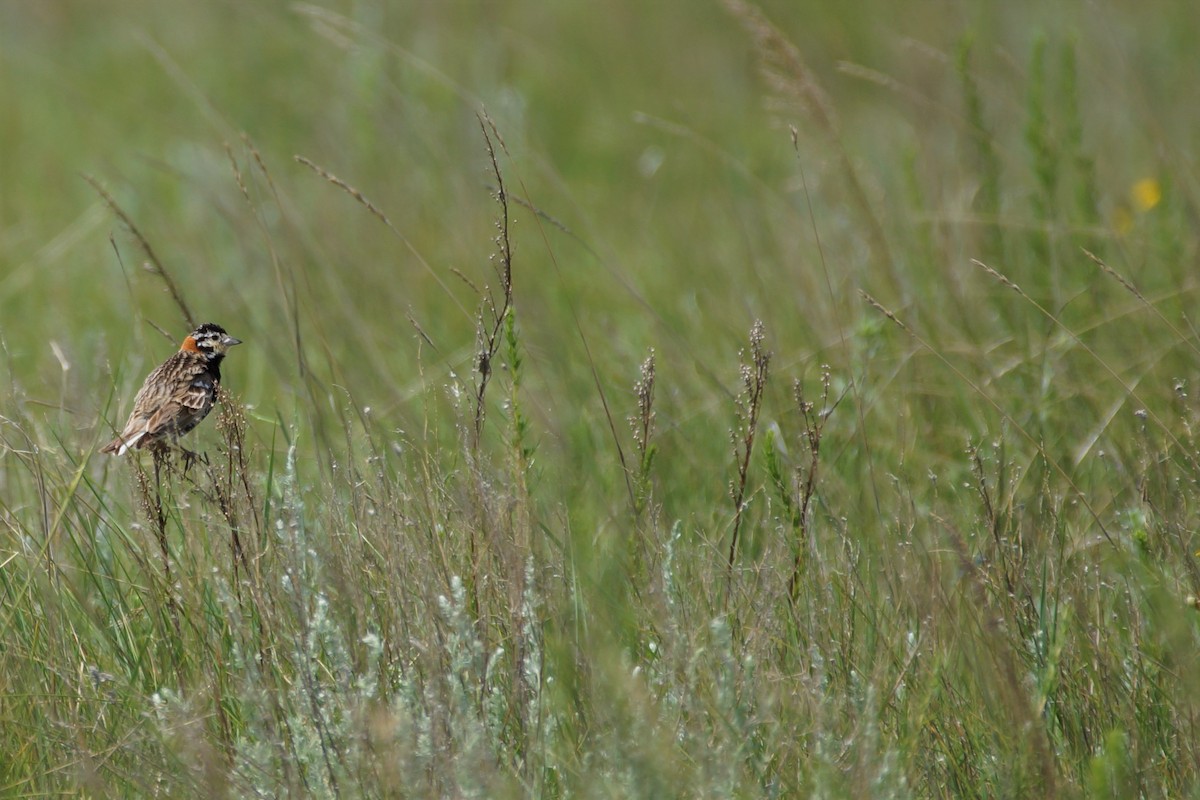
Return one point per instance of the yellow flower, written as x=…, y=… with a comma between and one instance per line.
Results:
x=1146, y=194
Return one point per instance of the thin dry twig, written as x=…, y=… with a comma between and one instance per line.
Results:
x=1132, y=289
x=587, y=350
x=366, y=203
x=488, y=333
x=1129, y=389
x=796, y=87
x=814, y=429
x=975, y=387
x=154, y=265
x=754, y=372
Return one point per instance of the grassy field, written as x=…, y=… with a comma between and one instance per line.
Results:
x=682, y=399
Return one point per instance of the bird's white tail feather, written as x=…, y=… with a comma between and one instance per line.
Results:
x=130, y=442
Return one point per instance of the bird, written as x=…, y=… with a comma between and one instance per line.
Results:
x=178, y=394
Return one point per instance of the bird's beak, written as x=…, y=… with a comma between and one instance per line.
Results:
x=229, y=341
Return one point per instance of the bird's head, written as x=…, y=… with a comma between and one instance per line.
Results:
x=209, y=339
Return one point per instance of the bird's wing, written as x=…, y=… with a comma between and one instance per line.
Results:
x=188, y=400
x=178, y=386
x=200, y=393
x=148, y=399
x=163, y=417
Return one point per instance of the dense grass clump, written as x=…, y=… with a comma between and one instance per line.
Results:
x=647, y=400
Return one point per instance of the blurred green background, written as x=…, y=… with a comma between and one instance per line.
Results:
x=642, y=129
x=999, y=554
x=645, y=130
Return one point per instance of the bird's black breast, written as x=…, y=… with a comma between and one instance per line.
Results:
x=214, y=366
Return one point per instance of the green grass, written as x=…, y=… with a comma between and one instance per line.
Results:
x=838, y=435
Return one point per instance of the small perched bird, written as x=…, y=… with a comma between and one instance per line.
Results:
x=177, y=395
